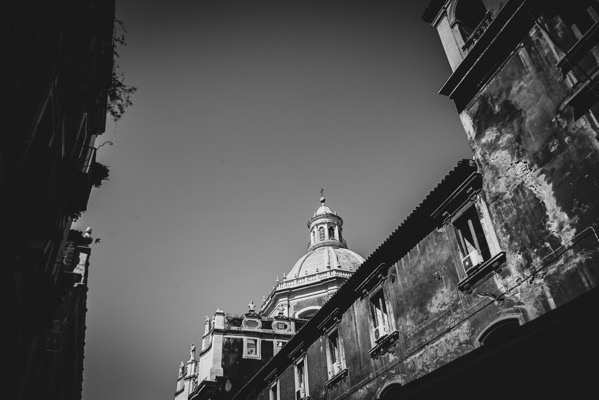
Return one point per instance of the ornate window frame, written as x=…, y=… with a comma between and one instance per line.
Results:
x=250, y=351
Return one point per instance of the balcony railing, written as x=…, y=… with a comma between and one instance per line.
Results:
x=478, y=31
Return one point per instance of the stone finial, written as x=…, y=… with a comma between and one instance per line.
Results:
x=192, y=351
x=182, y=369
x=252, y=306
x=284, y=276
x=206, y=325
x=277, y=280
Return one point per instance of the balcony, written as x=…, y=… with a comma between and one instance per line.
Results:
x=78, y=180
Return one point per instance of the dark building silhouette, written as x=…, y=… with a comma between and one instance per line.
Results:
x=488, y=289
x=57, y=70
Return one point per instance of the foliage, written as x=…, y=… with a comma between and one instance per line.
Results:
x=119, y=93
x=75, y=215
x=99, y=173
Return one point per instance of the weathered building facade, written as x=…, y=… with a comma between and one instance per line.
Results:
x=233, y=349
x=53, y=105
x=489, y=287
x=62, y=376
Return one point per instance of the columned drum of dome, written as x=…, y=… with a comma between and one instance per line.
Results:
x=318, y=274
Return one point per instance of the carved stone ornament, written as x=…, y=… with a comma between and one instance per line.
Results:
x=337, y=379
x=383, y=345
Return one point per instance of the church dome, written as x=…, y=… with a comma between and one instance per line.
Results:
x=319, y=273
x=323, y=259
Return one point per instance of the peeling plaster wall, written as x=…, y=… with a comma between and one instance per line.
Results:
x=540, y=171
x=434, y=320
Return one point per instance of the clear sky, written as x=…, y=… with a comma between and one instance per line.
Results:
x=245, y=110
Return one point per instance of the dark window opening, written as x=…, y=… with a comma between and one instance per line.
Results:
x=390, y=392
x=469, y=14
x=331, y=232
x=320, y=234
x=581, y=17
x=501, y=332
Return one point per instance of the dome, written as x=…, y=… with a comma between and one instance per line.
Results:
x=323, y=259
x=323, y=210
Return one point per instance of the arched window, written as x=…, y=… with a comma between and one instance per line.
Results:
x=390, y=392
x=313, y=236
x=331, y=232
x=500, y=332
x=307, y=313
x=321, y=233
x=468, y=15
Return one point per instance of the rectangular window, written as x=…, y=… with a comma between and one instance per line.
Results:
x=335, y=359
x=471, y=238
x=379, y=315
x=278, y=345
x=251, y=348
x=301, y=379
x=274, y=391
x=475, y=236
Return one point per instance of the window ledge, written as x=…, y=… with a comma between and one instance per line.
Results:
x=383, y=344
x=480, y=271
x=336, y=379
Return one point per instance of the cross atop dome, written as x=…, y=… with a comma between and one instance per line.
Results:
x=323, y=209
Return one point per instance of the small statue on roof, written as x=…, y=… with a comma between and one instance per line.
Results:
x=252, y=307
x=281, y=308
x=192, y=352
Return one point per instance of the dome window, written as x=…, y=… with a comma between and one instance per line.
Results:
x=321, y=234
x=331, y=232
